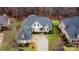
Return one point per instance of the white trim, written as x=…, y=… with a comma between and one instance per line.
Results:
x=25, y=41
x=77, y=36
x=62, y=27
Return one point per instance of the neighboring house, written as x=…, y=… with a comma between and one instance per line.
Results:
x=31, y=24
x=4, y=22
x=70, y=27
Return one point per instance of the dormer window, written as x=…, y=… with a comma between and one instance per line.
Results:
x=41, y=29
x=34, y=25
x=38, y=25
x=77, y=36
x=48, y=29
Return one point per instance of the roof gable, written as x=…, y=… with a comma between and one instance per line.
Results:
x=4, y=20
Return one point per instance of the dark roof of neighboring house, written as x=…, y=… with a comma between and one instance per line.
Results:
x=72, y=26
x=3, y=20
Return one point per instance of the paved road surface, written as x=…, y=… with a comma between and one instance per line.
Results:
x=41, y=42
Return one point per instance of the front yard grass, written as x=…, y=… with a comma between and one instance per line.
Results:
x=8, y=37
x=54, y=36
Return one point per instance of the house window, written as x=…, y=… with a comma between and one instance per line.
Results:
x=41, y=28
x=38, y=25
x=73, y=41
x=34, y=25
x=47, y=29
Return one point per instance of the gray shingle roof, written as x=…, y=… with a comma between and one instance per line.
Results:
x=27, y=34
x=42, y=20
x=72, y=25
x=4, y=20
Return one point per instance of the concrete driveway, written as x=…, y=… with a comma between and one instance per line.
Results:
x=41, y=42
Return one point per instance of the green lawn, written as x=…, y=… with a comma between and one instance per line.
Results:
x=54, y=36
x=9, y=36
x=55, y=22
